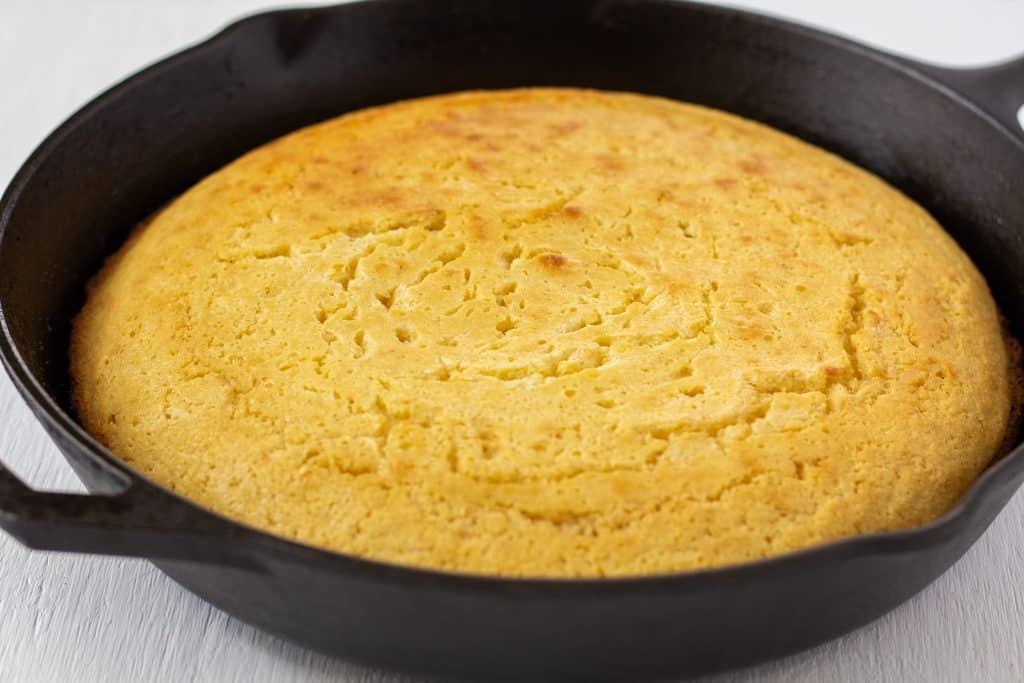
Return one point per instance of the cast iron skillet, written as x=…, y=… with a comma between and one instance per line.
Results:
x=942, y=136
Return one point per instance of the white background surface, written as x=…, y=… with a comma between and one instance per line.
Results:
x=85, y=619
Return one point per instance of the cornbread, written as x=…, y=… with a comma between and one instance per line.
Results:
x=547, y=332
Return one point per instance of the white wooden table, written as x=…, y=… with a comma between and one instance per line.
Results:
x=86, y=619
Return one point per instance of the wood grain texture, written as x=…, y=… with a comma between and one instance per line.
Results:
x=83, y=618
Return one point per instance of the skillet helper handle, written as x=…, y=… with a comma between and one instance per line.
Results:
x=998, y=89
x=139, y=521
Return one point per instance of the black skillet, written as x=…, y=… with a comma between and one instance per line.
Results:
x=943, y=136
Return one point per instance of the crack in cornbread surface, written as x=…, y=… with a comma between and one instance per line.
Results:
x=547, y=332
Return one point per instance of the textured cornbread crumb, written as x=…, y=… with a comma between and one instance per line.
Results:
x=547, y=332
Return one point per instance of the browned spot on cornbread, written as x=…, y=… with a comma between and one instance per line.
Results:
x=553, y=261
x=753, y=166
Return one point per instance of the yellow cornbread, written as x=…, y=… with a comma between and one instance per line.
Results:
x=547, y=332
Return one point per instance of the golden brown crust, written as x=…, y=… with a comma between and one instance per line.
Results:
x=547, y=332
x=1015, y=376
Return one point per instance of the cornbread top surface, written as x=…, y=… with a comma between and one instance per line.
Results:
x=547, y=332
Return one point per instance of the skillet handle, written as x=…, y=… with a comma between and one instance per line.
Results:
x=139, y=521
x=998, y=89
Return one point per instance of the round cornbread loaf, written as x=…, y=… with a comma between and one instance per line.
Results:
x=547, y=332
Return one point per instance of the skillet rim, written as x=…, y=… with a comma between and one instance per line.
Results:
x=254, y=541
